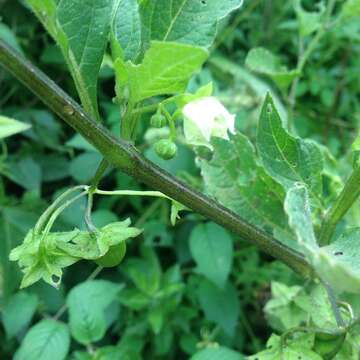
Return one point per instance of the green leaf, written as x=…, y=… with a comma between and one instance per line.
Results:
x=83, y=166
x=115, y=352
x=185, y=21
x=8, y=36
x=297, y=206
x=350, y=9
x=126, y=30
x=53, y=167
x=10, y=126
x=339, y=263
x=165, y=69
x=220, y=305
x=156, y=319
x=145, y=272
x=87, y=303
x=309, y=22
x=86, y=25
x=294, y=350
x=45, y=10
x=212, y=249
x=183, y=99
x=217, y=353
x=134, y=299
x=44, y=261
x=48, y=339
x=356, y=151
x=256, y=85
x=287, y=308
x=320, y=310
x=25, y=172
x=286, y=158
x=18, y=312
x=264, y=62
x=234, y=177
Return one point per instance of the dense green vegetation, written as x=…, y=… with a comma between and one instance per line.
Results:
x=254, y=104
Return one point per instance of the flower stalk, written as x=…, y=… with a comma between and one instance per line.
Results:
x=124, y=155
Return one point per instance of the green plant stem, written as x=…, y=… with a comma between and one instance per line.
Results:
x=127, y=120
x=98, y=175
x=335, y=308
x=131, y=193
x=153, y=107
x=342, y=204
x=124, y=155
x=46, y=214
x=56, y=214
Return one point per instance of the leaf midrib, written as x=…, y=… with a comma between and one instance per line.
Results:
x=297, y=174
x=173, y=21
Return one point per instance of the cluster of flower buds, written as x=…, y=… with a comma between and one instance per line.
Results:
x=164, y=148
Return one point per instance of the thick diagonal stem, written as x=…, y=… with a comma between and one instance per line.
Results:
x=127, y=158
x=341, y=206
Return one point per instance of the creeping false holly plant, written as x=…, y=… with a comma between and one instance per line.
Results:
x=269, y=190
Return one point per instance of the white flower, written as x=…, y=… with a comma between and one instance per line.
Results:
x=204, y=118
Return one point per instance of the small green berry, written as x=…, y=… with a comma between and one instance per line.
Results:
x=113, y=257
x=166, y=149
x=158, y=120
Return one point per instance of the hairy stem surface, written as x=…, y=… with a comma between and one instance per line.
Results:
x=127, y=158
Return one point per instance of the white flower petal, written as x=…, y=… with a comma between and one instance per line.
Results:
x=204, y=118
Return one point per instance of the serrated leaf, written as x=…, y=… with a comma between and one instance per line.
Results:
x=87, y=303
x=295, y=350
x=237, y=181
x=185, y=21
x=212, y=249
x=48, y=339
x=262, y=61
x=39, y=260
x=286, y=158
x=18, y=312
x=221, y=306
x=126, y=30
x=217, y=353
x=86, y=25
x=165, y=69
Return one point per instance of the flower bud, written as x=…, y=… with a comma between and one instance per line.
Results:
x=166, y=149
x=158, y=120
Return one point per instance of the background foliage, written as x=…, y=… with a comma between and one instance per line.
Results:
x=180, y=292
